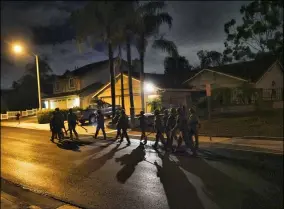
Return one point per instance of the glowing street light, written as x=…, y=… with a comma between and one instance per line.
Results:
x=18, y=49
x=149, y=87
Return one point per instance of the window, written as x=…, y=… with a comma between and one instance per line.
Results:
x=71, y=83
x=57, y=86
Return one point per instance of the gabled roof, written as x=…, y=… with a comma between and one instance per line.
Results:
x=83, y=92
x=248, y=71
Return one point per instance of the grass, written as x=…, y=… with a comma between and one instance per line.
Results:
x=265, y=123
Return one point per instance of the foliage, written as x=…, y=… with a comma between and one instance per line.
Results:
x=156, y=104
x=261, y=31
x=177, y=69
x=211, y=58
x=44, y=116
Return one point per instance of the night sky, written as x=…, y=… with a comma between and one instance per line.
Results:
x=196, y=26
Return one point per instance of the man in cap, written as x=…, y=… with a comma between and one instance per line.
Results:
x=123, y=124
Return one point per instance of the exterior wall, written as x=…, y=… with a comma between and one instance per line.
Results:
x=215, y=79
x=64, y=85
x=175, y=98
x=62, y=102
x=106, y=94
x=275, y=73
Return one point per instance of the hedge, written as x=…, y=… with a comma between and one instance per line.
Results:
x=45, y=115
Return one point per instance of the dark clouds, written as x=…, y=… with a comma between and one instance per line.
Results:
x=196, y=26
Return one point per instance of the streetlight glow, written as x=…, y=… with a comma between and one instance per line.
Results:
x=149, y=87
x=17, y=48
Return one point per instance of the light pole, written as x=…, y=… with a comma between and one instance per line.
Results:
x=19, y=49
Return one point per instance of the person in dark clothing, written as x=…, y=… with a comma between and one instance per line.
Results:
x=169, y=126
x=60, y=117
x=165, y=119
x=123, y=124
x=182, y=126
x=193, y=127
x=158, y=128
x=100, y=125
x=54, y=127
x=143, y=124
x=118, y=129
x=18, y=115
x=72, y=122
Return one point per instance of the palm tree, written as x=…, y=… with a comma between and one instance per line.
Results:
x=150, y=17
x=98, y=21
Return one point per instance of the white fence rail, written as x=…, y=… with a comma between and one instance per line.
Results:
x=12, y=114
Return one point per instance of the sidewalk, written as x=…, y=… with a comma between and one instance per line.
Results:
x=245, y=144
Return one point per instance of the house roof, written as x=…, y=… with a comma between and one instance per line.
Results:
x=86, y=69
x=159, y=80
x=250, y=71
x=83, y=92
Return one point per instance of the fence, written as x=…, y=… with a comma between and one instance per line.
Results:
x=12, y=114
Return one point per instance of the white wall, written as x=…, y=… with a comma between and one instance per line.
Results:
x=275, y=73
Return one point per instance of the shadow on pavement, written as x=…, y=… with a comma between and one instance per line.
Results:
x=96, y=163
x=225, y=191
x=73, y=145
x=130, y=161
x=180, y=193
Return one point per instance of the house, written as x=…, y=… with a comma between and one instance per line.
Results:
x=265, y=73
x=155, y=85
x=76, y=88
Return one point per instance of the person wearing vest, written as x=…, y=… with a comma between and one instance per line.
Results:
x=118, y=129
x=123, y=124
x=158, y=126
x=169, y=126
x=193, y=126
x=100, y=125
x=142, y=124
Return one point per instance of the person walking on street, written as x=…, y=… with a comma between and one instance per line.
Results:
x=193, y=125
x=118, y=129
x=165, y=119
x=158, y=126
x=100, y=125
x=182, y=126
x=72, y=122
x=169, y=126
x=60, y=117
x=18, y=115
x=143, y=124
x=123, y=124
x=55, y=125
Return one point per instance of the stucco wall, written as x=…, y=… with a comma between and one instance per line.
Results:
x=274, y=74
x=216, y=79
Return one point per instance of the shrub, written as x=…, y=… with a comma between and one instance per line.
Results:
x=44, y=117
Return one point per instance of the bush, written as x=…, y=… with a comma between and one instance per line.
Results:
x=45, y=115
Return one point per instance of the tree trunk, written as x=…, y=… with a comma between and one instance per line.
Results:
x=128, y=48
x=112, y=78
x=141, y=53
x=121, y=79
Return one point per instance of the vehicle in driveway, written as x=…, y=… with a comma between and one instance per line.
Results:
x=91, y=112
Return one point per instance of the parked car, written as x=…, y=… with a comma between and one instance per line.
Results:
x=91, y=112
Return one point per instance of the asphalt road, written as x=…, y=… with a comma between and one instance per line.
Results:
x=107, y=175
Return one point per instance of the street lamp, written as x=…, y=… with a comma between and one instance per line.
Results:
x=17, y=48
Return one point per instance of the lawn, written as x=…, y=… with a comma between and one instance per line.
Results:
x=266, y=123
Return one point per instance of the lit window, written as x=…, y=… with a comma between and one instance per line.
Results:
x=71, y=83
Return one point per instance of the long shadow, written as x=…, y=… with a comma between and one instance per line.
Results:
x=95, y=164
x=225, y=191
x=180, y=193
x=72, y=145
x=129, y=161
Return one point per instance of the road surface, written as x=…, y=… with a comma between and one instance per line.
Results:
x=107, y=175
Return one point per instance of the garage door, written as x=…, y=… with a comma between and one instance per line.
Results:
x=61, y=104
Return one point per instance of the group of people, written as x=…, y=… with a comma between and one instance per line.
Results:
x=57, y=125
x=176, y=125
x=121, y=122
